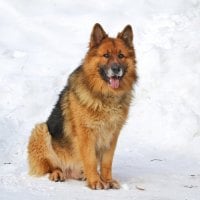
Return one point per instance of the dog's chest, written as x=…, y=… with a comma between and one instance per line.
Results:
x=106, y=125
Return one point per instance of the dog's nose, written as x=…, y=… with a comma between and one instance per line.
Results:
x=115, y=68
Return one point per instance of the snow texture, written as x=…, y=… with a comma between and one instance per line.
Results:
x=43, y=41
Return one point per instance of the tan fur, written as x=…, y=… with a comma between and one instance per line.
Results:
x=94, y=114
x=45, y=155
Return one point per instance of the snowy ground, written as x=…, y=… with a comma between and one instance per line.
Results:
x=42, y=41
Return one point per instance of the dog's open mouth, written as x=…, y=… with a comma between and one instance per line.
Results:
x=114, y=81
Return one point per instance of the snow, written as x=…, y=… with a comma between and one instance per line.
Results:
x=43, y=41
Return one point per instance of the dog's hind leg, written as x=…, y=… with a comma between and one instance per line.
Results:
x=38, y=147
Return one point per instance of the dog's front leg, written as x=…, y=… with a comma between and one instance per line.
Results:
x=106, y=165
x=87, y=146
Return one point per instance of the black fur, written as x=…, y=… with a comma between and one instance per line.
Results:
x=103, y=74
x=55, y=122
x=56, y=119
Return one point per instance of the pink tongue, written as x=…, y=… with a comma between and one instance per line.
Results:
x=114, y=83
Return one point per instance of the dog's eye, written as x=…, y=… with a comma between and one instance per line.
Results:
x=121, y=56
x=106, y=55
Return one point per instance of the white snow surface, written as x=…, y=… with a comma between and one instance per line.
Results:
x=43, y=41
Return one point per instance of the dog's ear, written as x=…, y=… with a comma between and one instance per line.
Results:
x=97, y=35
x=127, y=35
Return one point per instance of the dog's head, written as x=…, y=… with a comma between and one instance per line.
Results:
x=110, y=62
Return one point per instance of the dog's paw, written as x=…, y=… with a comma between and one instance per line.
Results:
x=57, y=175
x=113, y=184
x=98, y=185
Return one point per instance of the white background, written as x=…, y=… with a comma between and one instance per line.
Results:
x=43, y=41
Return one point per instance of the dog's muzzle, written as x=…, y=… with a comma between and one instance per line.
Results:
x=112, y=74
x=115, y=70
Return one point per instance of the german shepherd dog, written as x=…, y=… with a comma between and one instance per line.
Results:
x=78, y=139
